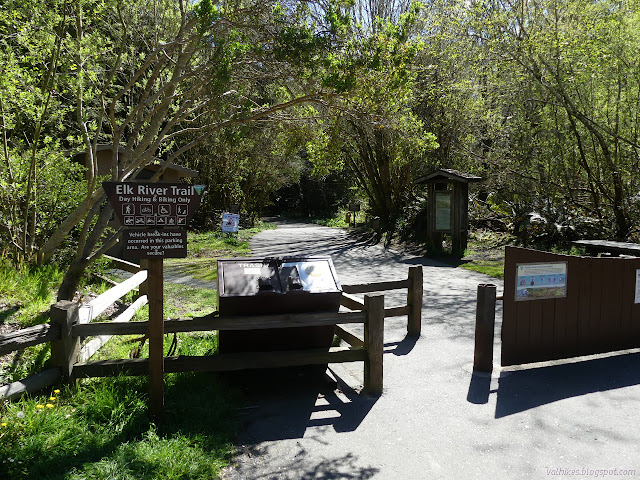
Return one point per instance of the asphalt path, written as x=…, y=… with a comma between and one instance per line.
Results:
x=435, y=419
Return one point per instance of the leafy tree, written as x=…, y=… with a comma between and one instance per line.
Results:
x=33, y=171
x=573, y=73
x=376, y=137
x=244, y=166
x=158, y=80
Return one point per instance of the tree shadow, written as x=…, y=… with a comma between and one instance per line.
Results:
x=7, y=313
x=526, y=389
x=342, y=468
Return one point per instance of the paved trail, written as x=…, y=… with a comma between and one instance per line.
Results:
x=435, y=419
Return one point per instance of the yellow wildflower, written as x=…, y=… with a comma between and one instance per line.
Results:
x=39, y=406
x=4, y=424
x=52, y=398
x=49, y=405
x=56, y=391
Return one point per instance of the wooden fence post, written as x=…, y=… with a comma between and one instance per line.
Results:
x=64, y=352
x=414, y=300
x=485, y=325
x=374, y=342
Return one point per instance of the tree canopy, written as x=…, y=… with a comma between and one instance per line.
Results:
x=540, y=97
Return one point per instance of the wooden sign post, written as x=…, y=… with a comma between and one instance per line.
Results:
x=156, y=216
x=155, y=283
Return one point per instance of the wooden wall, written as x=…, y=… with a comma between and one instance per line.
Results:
x=598, y=314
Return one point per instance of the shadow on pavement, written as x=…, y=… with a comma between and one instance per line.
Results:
x=401, y=348
x=479, y=389
x=523, y=390
x=284, y=404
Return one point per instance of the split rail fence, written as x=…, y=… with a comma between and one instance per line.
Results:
x=70, y=323
x=65, y=346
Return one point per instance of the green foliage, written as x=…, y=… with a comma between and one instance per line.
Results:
x=39, y=186
x=314, y=196
x=339, y=220
x=538, y=97
x=564, y=138
x=244, y=166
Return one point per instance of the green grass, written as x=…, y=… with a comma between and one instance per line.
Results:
x=100, y=430
x=485, y=252
x=218, y=244
x=339, y=220
x=493, y=269
x=204, y=248
x=198, y=268
x=27, y=293
x=180, y=301
x=25, y=297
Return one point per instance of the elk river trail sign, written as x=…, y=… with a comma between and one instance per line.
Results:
x=155, y=216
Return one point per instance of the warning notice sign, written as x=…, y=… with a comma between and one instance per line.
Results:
x=154, y=243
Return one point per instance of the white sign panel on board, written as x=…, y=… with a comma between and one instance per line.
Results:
x=536, y=281
x=230, y=222
x=443, y=211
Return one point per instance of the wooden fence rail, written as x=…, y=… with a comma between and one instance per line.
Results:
x=211, y=323
x=31, y=384
x=71, y=322
x=65, y=347
x=369, y=349
x=413, y=308
x=28, y=337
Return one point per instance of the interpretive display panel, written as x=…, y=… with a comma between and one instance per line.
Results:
x=536, y=281
x=443, y=211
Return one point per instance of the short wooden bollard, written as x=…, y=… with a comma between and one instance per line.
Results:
x=485, y=325
x=374, y=342
x=414, y=300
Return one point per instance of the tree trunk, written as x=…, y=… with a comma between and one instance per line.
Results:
x=72, y=278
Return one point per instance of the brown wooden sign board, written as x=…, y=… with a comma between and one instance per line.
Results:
x=155, y=243
x=158, y=205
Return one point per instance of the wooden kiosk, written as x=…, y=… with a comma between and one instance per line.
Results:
x=448, y=203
